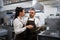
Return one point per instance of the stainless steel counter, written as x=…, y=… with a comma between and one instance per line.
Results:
x=6, y=30
x=49, y=35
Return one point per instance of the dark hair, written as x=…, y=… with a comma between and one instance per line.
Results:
x=32, y=9
x=17, y=10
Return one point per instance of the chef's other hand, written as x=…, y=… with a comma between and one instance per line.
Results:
x=29, y=26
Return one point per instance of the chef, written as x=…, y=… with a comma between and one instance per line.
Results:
x=32, y=20
x=19, y=27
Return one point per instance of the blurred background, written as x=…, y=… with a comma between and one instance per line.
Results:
x=48, y=11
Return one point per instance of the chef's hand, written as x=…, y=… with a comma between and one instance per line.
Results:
x=29, y=26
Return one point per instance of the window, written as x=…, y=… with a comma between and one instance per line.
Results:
x=6, y=2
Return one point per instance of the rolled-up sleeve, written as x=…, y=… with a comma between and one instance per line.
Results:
x=18, y=27
x=39, y=23
x=42, y=22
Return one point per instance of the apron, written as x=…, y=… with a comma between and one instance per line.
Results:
x=21, y=36
x=31, y=34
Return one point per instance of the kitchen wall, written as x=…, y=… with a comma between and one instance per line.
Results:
x=13, y=6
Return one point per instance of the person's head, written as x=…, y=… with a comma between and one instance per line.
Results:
x=32, y=12
x=19, y=12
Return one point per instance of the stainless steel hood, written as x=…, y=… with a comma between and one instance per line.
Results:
x=37, y=5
